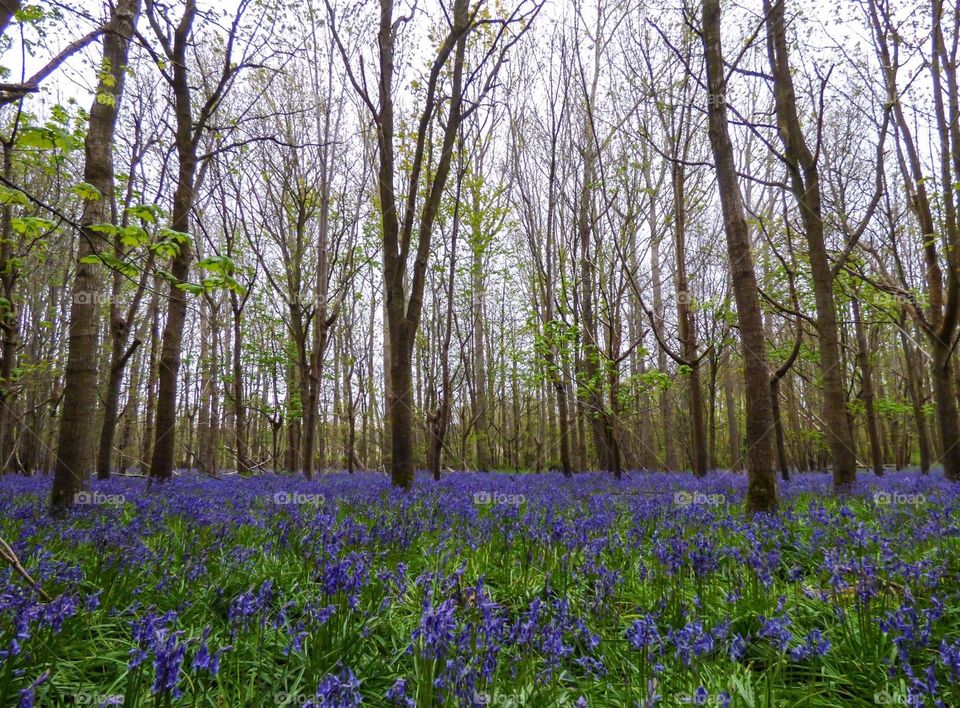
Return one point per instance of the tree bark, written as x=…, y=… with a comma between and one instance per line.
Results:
x=164, y=443
x=9, y=324
x=403, y=311
x=867, y=390
x=733, y=428
x=805, y=183
x=761, y=482
x=76, y=442
x=687, y=326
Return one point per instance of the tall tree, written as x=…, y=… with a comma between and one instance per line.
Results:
x=401, y=217
x=804, y=174
x=76, y=444
x=175, y=39
x=761, y=482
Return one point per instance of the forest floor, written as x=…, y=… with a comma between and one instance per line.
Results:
x=482, y=589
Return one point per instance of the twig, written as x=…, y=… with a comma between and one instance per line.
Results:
x=10, y=557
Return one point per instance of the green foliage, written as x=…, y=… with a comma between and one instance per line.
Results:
x=30, y=14
x=48, y=137
x=86, y=191
x=32, y=226
x=13, y=197
x=893, y=408
x=219, y=274
x=557, y=337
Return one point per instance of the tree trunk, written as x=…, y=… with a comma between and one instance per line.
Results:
x=687, y=326
x=805, y=184
x=915, y=390
x=165, y=438
x=733, y=428
x=403, y=309
x=9, y=273
x=669, y=459
x=239, y=406
x=207, y=374
x=77, y=439
x=866, y=390
x=761, y=482
x=111, y=404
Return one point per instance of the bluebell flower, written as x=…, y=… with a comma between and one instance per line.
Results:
x=738, y=647
x=643, y=633
x=337, y=691
x=776, y=631
x=397, y=694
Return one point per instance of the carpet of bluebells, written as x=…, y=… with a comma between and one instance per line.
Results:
x=482, y=589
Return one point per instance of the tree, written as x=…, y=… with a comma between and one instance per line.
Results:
x=76, y=442
x=175, y=39
x=761, y=482
x=804, y=176
x=403, y=301
x=940, y=238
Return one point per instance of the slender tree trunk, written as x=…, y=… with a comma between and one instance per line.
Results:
x=866, y=390
x=733, y=427
x=9, y=325
x=164, y=444
x=669, y=459
x=239, y=406
x=778, y=423
x=441, y=417
x=590, y=379
x=404, y=303
x=687, y=326
x=207, y=374
x=761, y=482
x=712, y=416
x=915, y=390
x=805, y=184
x=76, y=443
x=111, y=405
x=146, y=447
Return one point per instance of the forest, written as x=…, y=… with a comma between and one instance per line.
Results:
x=475, y=352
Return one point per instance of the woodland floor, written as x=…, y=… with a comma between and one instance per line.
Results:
x=482, y=589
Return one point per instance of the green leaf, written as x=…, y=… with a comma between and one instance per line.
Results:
x=107, y=229
x=173, y=236
x=218, y=264
x=40, y=138
x=13, y=196
x=32, y=226
x=87, y=191
x=145, y=212
x=191, y=288
x=133, y=236
x=29, y=14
